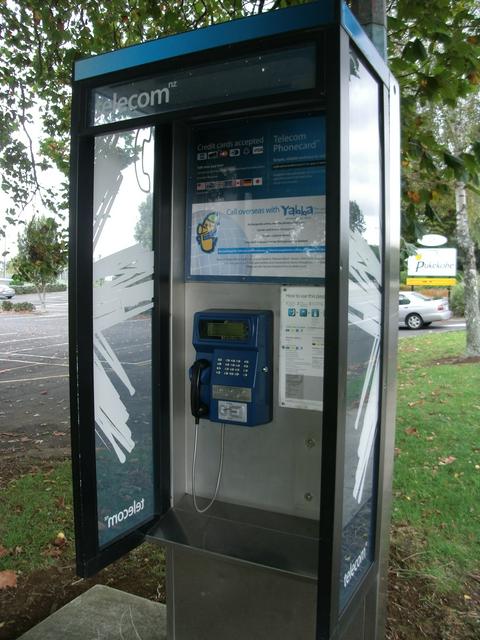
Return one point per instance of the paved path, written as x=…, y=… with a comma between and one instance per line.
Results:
x=454, y=324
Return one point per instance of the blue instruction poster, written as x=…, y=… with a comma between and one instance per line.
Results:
x=256, y=200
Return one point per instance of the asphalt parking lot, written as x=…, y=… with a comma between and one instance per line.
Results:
x=34, y=394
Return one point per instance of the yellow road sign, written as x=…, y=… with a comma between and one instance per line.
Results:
x=432, y=282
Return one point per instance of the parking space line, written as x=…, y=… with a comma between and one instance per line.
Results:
x=39, y=338
x=45, y=346
x=29, y=316
x=19, y=354
x=65, y=375
x=42, y=364
x=15, y=368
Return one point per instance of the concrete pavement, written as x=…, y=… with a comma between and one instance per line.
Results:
x=104, y=613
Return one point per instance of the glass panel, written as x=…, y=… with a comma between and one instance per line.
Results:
x=122, y=326
x=275, y=72
x=364, y=329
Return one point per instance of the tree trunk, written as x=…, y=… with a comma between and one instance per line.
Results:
x=472, y=310
x=42, y=297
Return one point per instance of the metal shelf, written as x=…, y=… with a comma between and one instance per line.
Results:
x=281, y=542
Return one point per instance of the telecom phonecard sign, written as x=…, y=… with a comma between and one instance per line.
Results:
x=257, y=200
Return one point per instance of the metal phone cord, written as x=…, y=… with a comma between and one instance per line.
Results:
x=194, y=465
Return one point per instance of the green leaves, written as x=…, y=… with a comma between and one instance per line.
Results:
x=414, y=50
x=39, y=42
x=434, y=52
x=476, y=150
x=455, y=164
x=42, y=252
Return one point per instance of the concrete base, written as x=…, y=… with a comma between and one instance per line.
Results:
x=104, y=613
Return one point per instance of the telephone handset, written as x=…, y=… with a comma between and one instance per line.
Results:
x=231, y=380
x=199, y=409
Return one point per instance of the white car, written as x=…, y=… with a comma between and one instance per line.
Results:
x=416, y=310
x=6, y=292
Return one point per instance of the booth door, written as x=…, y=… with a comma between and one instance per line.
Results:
x=116, y=442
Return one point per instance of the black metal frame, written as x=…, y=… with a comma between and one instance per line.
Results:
x=90, y=557
x=331, y=623
x=161, y=313
x=332, y=92
x=335, y=353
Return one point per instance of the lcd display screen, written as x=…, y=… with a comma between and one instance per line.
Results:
x=223, y=330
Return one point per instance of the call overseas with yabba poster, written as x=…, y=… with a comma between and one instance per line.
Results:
x=257, y=200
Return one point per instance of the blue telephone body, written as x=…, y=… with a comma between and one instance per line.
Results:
x=231, y=379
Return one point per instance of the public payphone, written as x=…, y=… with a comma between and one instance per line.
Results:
x=231, y=378
x=234, y=234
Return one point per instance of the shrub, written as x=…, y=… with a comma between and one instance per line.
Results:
x=457, y=299
x=28, y=288
x=23, y=306
x=7, y=305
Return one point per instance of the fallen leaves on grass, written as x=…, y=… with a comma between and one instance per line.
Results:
x=447, y=460
x=411, y=431
x=415, y=403
x=56, y=547
x=3, y=552
x=8, y=579
x=60, y=540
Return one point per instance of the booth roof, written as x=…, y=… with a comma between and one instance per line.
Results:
x=307, y=16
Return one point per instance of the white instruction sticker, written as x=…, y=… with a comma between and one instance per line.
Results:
x=232, y=411
x=301, y=347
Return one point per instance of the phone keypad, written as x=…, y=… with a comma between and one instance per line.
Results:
x=236, y=367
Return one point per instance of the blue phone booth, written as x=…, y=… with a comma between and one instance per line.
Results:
x=234, y=249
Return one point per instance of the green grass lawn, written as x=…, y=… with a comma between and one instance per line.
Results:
x=437, y=463
x=34, y=509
